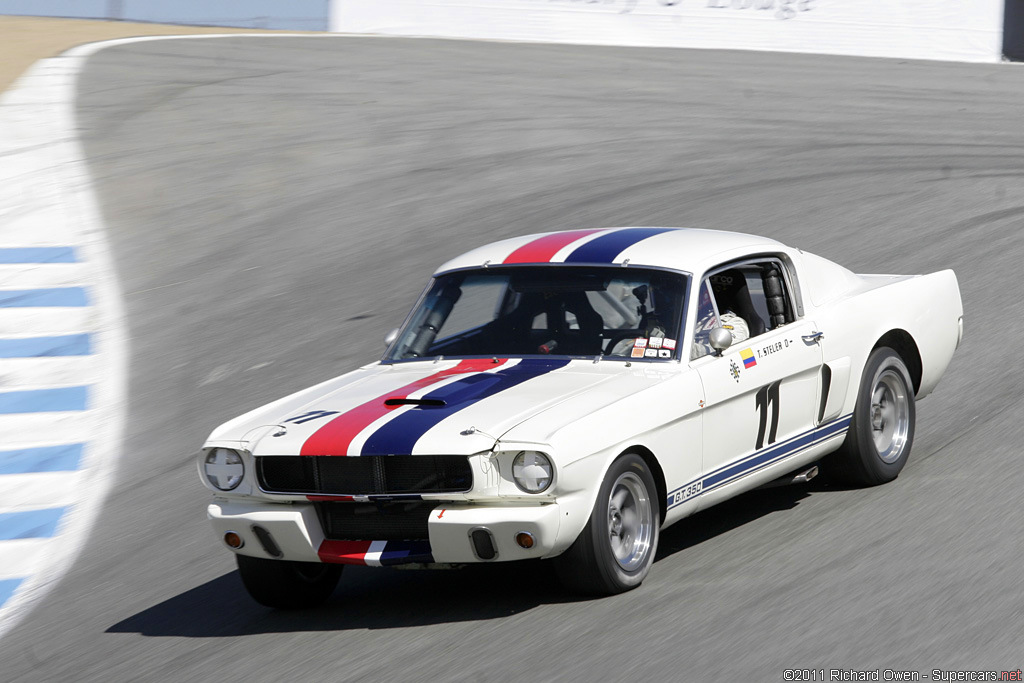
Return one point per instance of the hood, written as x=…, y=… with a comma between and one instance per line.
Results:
x=446, y=407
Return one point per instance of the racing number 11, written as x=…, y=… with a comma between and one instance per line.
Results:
x=767, y=395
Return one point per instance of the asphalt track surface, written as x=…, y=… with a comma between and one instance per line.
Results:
x=274, y=206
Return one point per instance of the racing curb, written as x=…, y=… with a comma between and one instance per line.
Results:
x=63, y=426
x=53, y=234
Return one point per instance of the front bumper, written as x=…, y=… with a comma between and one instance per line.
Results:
x=295, y=533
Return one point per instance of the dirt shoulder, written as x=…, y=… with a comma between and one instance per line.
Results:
x=23, y=40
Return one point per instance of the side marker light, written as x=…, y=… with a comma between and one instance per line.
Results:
x=525, y=539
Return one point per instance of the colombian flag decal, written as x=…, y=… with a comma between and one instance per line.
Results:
x=748, y=358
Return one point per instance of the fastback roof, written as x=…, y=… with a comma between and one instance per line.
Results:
x=689, y=249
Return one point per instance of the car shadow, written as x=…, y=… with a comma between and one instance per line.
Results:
x=732, y=514
x=366, y=598
x=371, y=598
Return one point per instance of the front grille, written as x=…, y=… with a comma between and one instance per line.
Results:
x=364, y=475
x=395, y=521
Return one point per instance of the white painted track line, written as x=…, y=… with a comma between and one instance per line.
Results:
x=22, y=557
x=15, y=322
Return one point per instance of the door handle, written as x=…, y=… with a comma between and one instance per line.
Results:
x=814, y=337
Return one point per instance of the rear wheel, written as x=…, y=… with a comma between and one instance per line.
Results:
x=615, y=551
x=288, y=585
x=882, y=430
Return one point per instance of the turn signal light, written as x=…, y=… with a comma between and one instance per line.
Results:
x=233, y=540
x=524, y=539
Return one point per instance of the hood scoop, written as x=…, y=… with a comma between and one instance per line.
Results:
x=401, y=401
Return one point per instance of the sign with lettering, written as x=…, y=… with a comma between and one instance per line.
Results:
x=923, y=29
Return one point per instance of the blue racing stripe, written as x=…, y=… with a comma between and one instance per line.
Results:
x=43, y=400
x=402, y=552
x=7, y=588
x=607, y=247
x=51, y=296
x=37, y=255
x=37, y=347
x=763, y=458
x=755, y=463
x=400, y=434
x=43, y=459
x=30, y=524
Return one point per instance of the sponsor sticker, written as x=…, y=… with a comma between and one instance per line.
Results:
x=640, y=342
x=650, y=353
x=656, y=342
x=734, y=370
x=748, y=358
x=664, y=353
x=669, y=343
x=637, y=353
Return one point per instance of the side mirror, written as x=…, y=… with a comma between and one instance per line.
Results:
x=390, y=337
x=720, y=339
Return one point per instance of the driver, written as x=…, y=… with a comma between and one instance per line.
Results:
x=736, y=325
x=728, y=319
x=649, y=324
x=726, y=286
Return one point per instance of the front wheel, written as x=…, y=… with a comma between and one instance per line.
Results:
x=615, y=551
x=882, y=430
x=282, y=584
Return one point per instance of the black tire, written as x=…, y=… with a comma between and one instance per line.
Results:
x=882, y=431
x=600, y=562
x=288, y=585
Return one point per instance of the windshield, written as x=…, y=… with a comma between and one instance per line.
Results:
x=540, y=310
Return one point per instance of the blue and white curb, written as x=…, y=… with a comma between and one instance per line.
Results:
x=62, y=341
x=63, y=349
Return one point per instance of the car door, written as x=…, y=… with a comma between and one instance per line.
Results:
x=761, y=394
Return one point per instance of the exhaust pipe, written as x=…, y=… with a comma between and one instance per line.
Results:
x=800, y=478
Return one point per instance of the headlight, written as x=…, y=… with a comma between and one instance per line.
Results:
x=531, y=471
x=223, y=468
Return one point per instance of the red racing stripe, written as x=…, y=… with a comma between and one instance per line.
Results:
x=336, y=436
x=343, y=552
x=542, y=249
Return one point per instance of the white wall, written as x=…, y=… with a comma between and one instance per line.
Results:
x=962, y=30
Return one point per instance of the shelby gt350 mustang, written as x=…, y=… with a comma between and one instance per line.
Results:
x=566, y=395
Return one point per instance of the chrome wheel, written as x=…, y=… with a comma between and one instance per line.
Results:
x=630, y=521
x=881, y=432
x=615, y=550
x=890, y=415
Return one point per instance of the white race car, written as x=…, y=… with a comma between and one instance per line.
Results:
x=567, y=395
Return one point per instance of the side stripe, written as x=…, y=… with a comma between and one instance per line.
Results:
x=375, y=553
x=49, y=297
x=769, y=455
x=400, y=435
x=606, y=248
x=542, y=249
x=38, y=347
x=41, y=459
x=763, y=458
x=335, y=437
x=44, y=400
x=7, y=588
x=38, y=255
x=30, y=523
